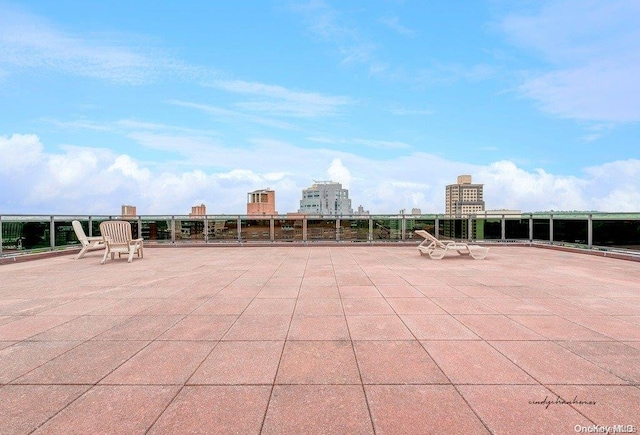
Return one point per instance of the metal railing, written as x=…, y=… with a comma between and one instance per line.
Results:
x=33, y=233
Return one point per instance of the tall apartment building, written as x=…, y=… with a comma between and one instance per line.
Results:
x=198, y=210
x=261, y=202
x=326, y=198
x=129, y=211
x=463, y=198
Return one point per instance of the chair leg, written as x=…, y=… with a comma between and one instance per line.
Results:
x=131, y=251
x=104, y=257
x=82, y=252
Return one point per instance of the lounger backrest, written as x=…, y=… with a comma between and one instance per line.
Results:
x=429, y=237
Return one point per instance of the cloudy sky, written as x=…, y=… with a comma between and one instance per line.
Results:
x=165, y=105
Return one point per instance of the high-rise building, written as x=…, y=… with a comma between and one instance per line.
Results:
x=198, y=210
x=326, y=198
x=129, y=211
x=261, y=202
x=463, y=198
x=414, y=211
x=361, y=211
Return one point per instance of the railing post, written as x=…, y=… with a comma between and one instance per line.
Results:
x=206, y=229
x=590, y=231
x=370, y=236
x=52, y=233
x=531, y=228
x=304, y=228
x=173, y=229
x=469, y=228
x=337, y=229
x=551, y=228
x=90, y=226
x=403, y=227
x=139, y=227
x=272, y=229
x=239, y=227
x=1, y=235
x=436, y=230
x=503, y=229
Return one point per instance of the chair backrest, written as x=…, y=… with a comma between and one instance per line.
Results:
x=77, y=227
x=116, y=232
x=429, y=237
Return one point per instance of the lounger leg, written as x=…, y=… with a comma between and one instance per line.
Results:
x=437, y=255
x=104, y=257
x=131, y=251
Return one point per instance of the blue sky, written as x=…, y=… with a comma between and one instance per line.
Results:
x=165, y=105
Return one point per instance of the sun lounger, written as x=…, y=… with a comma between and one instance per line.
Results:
x=436, y=249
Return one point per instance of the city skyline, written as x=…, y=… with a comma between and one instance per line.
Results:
x=167, y=105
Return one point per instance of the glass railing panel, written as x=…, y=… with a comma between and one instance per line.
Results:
x=413, y=225
x=488, y=229
x=222, y=229
x=541, y=229
x=95, y=224
x=387, y=229
x=156, y=229
x=12, y=235
x=321, y=230
x=354, y=230
x=617, y=234
x=255, y=230
x=570, y=231
x=189, y=230
x=288, y=230
x=21, y=233
x=516, y=229
x=454, y=229
x=65, y=234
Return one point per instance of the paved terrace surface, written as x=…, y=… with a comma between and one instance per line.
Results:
x=344, y=340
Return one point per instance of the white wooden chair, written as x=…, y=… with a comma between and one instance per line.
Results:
x=117, y=238
x=88, y=243
x=436, y=249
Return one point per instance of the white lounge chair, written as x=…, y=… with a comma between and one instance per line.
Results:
x=88, y=243
x=117, y=238
x=436, y=249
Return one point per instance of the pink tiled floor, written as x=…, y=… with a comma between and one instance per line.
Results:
x=319, y=340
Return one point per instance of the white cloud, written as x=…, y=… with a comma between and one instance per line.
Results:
x=282, y=101
x=593, y=49
x=72, y=167
x=226, y=115
x=508, y=186
x=19, y=152
x=97, y=181
x=394, y=24
x=382, y=144
x=30, y=42
x=328, y=24
x=339, y=173
x=129, y=168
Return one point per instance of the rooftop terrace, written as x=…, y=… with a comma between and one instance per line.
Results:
x=324, y=339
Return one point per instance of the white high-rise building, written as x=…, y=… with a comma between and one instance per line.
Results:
x=326, y=198
x=463, y=198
